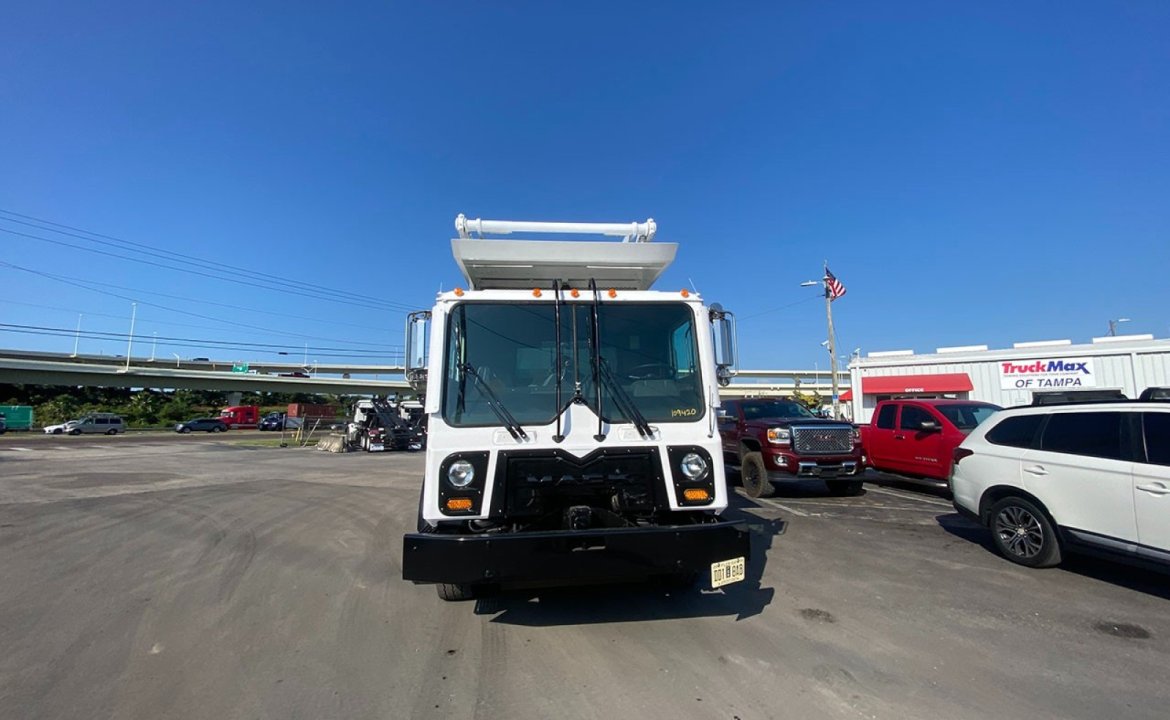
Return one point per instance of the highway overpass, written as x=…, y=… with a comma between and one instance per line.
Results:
x=39, y=368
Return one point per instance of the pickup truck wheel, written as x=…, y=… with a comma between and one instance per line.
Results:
x=456, y=591
x=846, y=488
x=754, y=476
x=1022, y=533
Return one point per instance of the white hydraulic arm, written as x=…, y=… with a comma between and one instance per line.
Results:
x=629, y=232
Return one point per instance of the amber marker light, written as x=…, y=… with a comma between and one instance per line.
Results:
x=535, y=292
x=460, y=503
x=458, y=292
x=685, y=293
x=696, y=495
x=575, y=292
x=612, y=293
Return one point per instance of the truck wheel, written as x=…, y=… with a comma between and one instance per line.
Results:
x=456, y=591
x=754, y=476
x=845, y=488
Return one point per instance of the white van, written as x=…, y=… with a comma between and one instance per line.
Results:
x=103, y=423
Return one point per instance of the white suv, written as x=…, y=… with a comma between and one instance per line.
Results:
x=1050, y=479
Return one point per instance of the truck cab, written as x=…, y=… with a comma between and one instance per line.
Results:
x=916, y=437
x=571, y=418
x=240, y=416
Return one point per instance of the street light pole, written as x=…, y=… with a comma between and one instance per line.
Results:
x=130, y=344
x=77, y=337
x=1113, y=326
x=832, y=348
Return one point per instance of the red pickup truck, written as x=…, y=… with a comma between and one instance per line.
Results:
x=777, y=440
x=916, y=438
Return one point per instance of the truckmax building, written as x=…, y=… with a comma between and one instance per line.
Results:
x=1020, y=375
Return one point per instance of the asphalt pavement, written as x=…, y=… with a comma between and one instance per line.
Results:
x=180, y=579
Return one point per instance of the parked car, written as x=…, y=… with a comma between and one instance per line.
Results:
x=916, y=438
x=102, y=423
x=279, y=421
x=774, y=440
x=60, y=428
x=3, y=424
x=202, y=425
x=1049, y=480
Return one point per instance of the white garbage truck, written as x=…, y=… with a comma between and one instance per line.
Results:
x=572, y=416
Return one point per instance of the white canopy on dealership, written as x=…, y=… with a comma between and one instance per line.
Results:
x=1010, y=376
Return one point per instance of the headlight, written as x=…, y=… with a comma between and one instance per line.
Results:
x=461, y=473
x=780, y=436
x=693, y=466
x=856, y=435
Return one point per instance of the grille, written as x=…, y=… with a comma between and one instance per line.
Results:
x=822, y=440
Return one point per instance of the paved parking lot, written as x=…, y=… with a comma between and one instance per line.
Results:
x=185, y=579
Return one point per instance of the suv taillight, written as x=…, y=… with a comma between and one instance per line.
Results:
x=961, y=453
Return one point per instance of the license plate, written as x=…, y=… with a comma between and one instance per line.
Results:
x=726, y=572
x=376, y=447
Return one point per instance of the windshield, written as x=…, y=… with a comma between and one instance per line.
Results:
x=966, y=417
x=649, y=349
x=767, y=409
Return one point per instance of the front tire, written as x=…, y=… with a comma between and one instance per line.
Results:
x=111, y=431
x=754, y=476
x=74, y=432
x=455, y=592
x=1023, y=534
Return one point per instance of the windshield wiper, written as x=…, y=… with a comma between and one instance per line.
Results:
x=557, y=319
x=494, y=403
x=595, y=346
x=625, y=403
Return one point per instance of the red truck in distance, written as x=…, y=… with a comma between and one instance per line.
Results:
x=916, y=438
x=240, y=416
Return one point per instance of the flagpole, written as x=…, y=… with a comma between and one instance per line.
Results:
x=832, y=345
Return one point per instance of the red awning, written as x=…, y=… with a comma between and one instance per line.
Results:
x=846, y=396
x=902, y=384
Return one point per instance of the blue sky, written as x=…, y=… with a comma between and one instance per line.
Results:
x=973, y=172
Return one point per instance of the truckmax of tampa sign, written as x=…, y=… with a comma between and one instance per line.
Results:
x=1046, y=374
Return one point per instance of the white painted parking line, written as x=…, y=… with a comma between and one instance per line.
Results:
x=909, y=496
x=783, y=507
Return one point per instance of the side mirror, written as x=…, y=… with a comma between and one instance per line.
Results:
x=418, y=326
x=723, y=328
x=930, y=426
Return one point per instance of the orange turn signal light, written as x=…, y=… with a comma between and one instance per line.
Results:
x=696, y=494
x=459, y=503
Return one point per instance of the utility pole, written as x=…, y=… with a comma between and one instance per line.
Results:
x=832, y=348
x=77, y=337
x=153, y=345
x=130, y=344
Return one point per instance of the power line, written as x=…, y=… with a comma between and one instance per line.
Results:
x=253, y=284
x=171, y=323
x=155, y=305
x=83, y=284
x=212, y=265
x=782, y=307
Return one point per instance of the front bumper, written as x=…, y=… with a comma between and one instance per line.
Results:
x=825, y=468
x=568, y=556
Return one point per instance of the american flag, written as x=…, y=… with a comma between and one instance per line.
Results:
x=833, y=286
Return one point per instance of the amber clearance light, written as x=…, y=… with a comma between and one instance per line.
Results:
x=459, y=503
x=696, y=495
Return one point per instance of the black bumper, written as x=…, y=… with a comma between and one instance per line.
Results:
x=566, y=557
